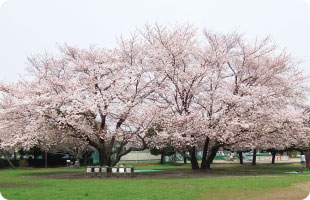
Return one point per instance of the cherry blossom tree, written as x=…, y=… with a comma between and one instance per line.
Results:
x=263, y=87
x=198, y=92
x=214, y=86
x=95, y=95
x=176, y=54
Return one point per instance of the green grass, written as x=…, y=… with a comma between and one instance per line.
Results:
x=23, y=184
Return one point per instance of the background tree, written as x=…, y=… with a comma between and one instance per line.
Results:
x=218, y=90
x=92, y=95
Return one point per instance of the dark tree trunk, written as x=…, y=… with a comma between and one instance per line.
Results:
x=85, y=162
x=205, y=153
x=307, y=158
x=273, y=153
x=184, y=157
x=7, y=158
x=212, y=155
x=45, y=159
x=162, y=158
x=240, y=157
x=15, y=156
x=254, y=158
x=103, y=158
x=10, y=163
x=35, y=160
x=194, y=160
x=106, y=152
x=85, y=157
x=21, y=156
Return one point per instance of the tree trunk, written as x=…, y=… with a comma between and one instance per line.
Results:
x=212, y=155
x=103, y=158
x=273, y=153
x=240, y=157
x=184, y=158
x=162, y=158
x=85, y=157
x=106, y=152
x=7, y=158
x=10, y=163
x=21, y=155
x=194, y=160
x=205, y=153
x=15, y=156
x=254, y=158
x=45, y=153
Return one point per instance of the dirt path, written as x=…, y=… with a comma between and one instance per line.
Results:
x=157, y=175
x=295, y=192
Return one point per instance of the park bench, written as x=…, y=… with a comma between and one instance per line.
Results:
x=94, y=171
x=114, y=171
x=89, y=171
x=101, y=171
x=97, y=171
x=123, y=171
x=105, y=171
x=129, y=171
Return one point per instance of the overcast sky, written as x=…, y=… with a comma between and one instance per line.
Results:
x=30, y=27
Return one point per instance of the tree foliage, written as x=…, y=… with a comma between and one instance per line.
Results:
x=203, y=91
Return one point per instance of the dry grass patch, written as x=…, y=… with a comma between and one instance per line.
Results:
x=295, y=192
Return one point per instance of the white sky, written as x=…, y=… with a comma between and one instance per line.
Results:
x=30, y=27
x=2, y=2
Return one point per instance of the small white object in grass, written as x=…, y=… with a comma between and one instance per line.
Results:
x=121, y=170
x=103, y=169
x=1, y=197
x=308, y=197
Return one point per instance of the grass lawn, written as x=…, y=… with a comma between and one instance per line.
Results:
x=229, y=181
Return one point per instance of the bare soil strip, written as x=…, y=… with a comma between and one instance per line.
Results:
x=156, y=175
x=295, y=192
